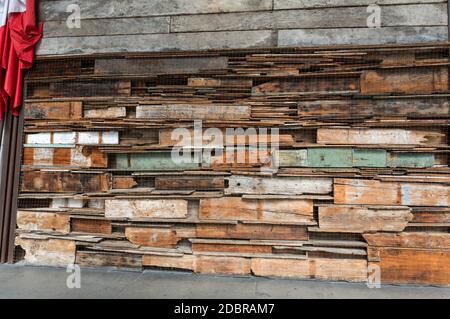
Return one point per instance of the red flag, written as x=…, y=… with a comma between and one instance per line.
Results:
x=19, y=35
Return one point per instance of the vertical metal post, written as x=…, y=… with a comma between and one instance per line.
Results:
x=10, y=160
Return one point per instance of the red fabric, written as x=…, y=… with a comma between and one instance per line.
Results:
x=18, y=39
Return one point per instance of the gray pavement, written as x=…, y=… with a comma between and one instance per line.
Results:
x=17, y=281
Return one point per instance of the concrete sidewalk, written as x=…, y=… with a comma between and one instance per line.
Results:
x=41, y=282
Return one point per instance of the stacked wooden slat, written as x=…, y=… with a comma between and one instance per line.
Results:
x=358, y=176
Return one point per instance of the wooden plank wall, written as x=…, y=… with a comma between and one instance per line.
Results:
x=363, y=154
x=161, y=25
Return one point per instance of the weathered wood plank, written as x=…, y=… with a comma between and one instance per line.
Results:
x=418, y=160
x=409, y=240
x=358, y=219
x=84, y=157
x=315, y=268
x=53, y=110
x=372, y=192
x=230, y=247
x=42, y=221
x=411, y=107
x=222, y=265
x=90, y=88
x=53, y=182
x=237, y=157
x=51, y=252
x=300, y=4
x=372, y=136
x=323, y=84
x=235, y=208
x=89, y=225
x=405, y=81
x=190, y=182
x=160, y=42
x=70, y=138
x=402, y=15
x=194, y=112
x=252, y=231
x=115, y=8
x=292, y=158
x=156, y=66
x=186, y=262
x=330, y=157
x=106, y=113
x=362, y=36
x=152, y=161
x=142, y=208
x=166, y=237
x=282, y=186
x=108, y=27
x=414, y=266
x=107, y=259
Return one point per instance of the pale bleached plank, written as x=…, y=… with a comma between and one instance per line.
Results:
x=194, y=112
x=56, y=10
x=286, y=185
x=143, y=208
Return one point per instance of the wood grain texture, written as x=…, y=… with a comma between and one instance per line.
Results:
x=235, y=208
x=414, y=266
x=64, y=182
x=357, y=219
x=372, y=192
x=43, y=221
x=394, y=136
x=317, y=268
x=164, y=208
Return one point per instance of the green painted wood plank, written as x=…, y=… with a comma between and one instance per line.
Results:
x=369, y=158
x=161, y=161
x=330, y=157
x=412, y=160
x=292, y=158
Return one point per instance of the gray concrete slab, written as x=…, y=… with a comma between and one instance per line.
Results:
x=17, y=281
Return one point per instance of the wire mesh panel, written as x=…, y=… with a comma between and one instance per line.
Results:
x=297, y=162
